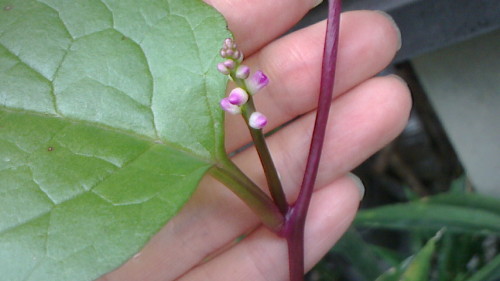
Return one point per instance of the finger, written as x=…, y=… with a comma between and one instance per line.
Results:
x=263, y=255
x=368, y=42
x=362, y=121
x=257, y=22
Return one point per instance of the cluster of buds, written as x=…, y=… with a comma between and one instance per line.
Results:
x=230, y=52
x=248, y=85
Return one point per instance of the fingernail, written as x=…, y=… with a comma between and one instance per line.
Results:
x=316, y=3
x=395, y=25
x=397, y=77
x=359, y=185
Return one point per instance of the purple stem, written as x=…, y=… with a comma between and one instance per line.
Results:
x=294, y=229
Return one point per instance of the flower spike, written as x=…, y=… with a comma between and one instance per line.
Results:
x=257, y=120
x=246, y=85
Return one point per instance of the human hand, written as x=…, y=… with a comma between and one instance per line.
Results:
x=200, y=242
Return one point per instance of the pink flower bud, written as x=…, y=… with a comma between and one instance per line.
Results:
x=230, y=64
x=242, y=72
x=257, y=120
x=222, y=69
x=229, y=52
x=238, y=96
x=239, y=57
x=258, y=81
x=229, y=107
x=237, y=54
x=228, y=43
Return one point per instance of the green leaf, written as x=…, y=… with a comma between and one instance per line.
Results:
x=417, y=267
x=456, y=253
x=472, y=215
x=108, y=120
x=469, y=200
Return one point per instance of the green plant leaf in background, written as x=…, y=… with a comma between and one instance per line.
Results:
x=467, y=213
x=417, y=267
x=108, y=120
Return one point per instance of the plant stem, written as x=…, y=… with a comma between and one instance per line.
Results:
x=294, y=230
x=272, y=177
x=231, y=176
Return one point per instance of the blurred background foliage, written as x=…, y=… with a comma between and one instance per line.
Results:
x=451, y=236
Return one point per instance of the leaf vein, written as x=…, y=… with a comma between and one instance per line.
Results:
x=111, y=12
x=171, y=145
x=58, y=15
x=24, y=62
x=205, y=96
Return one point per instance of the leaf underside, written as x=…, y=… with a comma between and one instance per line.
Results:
x=108, y=120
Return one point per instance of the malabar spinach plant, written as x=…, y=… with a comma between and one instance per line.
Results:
x=110, y=115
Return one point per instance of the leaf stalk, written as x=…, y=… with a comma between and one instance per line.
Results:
x=231, y=176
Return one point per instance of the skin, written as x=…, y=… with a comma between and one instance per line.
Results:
x=367, y=113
